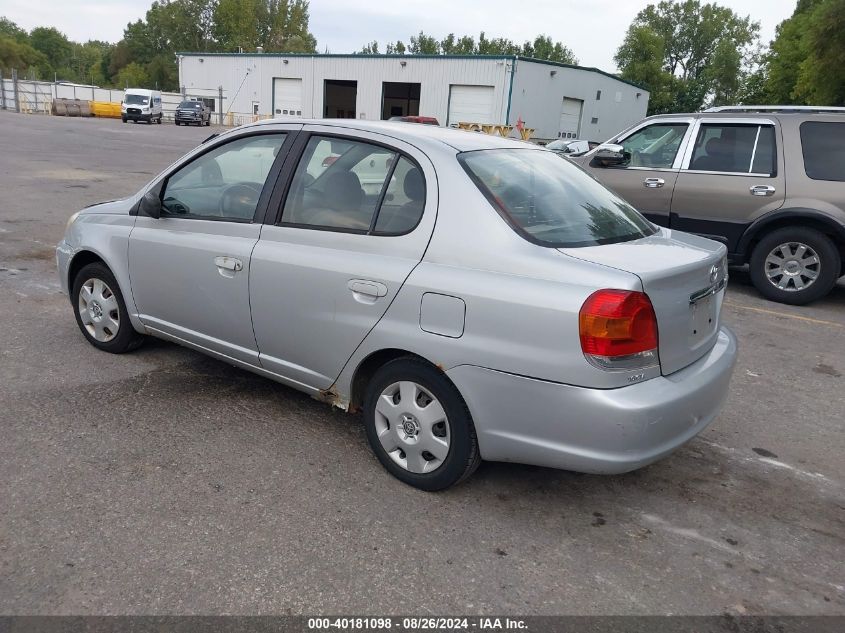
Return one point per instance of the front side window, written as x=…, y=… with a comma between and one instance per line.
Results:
x=655, y=146
x=734, y=148
x=225, y=183
x=823, y=147
x=550, y=201
x=354, y=186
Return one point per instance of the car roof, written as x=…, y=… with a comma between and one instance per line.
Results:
x=460, y=140
x=756, y=114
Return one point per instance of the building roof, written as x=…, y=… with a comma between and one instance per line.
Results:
x=417, y=56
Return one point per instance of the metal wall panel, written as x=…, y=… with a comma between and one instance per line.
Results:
x=539, y=90
x=248, y=78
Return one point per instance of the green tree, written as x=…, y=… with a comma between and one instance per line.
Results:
x=19, y=56
x=133, y=75
x=57, y=50
x=423, y=44
x=395, y=49
x=288, y=31
x=708, y=50
x=641, y=58
x=544, y=48
x=804, y=64
x=10, y=29
x=821, y=79
x=236, y=24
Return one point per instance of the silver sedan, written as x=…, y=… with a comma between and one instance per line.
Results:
x=474, y=297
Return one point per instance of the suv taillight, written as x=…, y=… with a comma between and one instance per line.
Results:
x=618, y=330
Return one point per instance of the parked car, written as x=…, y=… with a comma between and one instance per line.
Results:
x=540, y=319
x=141, y=105
x=571, y=147
x=766, y=181
x=192, y=112
x=425, y=120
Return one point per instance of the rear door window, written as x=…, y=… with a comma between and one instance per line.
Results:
x=823, y=147
x=355, y=186
x=734, y=148
x=550, y=201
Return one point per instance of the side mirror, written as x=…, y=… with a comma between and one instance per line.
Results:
x=610, y=155
x=150, y=205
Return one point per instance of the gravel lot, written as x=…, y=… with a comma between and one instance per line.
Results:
x=166, y=482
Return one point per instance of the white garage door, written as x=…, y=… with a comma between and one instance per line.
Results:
x=570, y=118
x=287, y=97
x=470, y=104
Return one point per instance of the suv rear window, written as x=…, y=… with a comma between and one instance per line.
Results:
x=823, y=146
x=550, y=201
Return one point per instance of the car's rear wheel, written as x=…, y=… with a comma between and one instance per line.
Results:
x=101, y=312
x=795, y=265
x=418, y=425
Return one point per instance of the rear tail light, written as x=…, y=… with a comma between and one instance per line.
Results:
x=618, y=330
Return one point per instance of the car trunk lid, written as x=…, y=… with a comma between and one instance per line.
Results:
x=684, y=276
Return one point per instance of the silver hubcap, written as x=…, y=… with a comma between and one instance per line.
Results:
x=412, y=427
x=98, y=310
x=792, y=266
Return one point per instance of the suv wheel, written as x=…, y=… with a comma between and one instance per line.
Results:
x=795, y=265
x=101, y=312
x=418, y=425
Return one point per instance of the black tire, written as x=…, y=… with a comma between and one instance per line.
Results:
x=123, y=118
x=829, y=265
x=463, y=456
x=126, y=338
x=177, y=123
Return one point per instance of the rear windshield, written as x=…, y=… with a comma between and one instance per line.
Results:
x=823, y=146
x=551, y=201
x=196, y=105
x=135, y=99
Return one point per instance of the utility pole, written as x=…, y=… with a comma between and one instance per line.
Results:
x=15, y=89
x=220, y=101
x=2, y=91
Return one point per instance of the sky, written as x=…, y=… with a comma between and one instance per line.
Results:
x=593, y=29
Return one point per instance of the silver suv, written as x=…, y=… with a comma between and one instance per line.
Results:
x=766, y=181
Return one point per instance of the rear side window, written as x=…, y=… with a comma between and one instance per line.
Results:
x=734, y=148
x=550, y=201
x=356, y=187
x=823, y=146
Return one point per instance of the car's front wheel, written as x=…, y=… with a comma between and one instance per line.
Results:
x=418, y=425
x=795, y=265
x=101, y=312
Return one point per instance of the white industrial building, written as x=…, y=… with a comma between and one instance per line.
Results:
x=556, y=100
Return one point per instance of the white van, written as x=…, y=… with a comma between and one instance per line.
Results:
x=141, y=105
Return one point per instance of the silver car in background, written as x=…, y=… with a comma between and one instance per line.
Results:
x=475, y=297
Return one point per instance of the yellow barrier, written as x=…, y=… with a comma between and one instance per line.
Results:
x=105, y=109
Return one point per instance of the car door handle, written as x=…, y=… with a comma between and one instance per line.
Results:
x=228, y=263
x=653, y=183
x=762, y=190
x=374, y=289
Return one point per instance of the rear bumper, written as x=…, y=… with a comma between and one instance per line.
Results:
x=607, y=431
